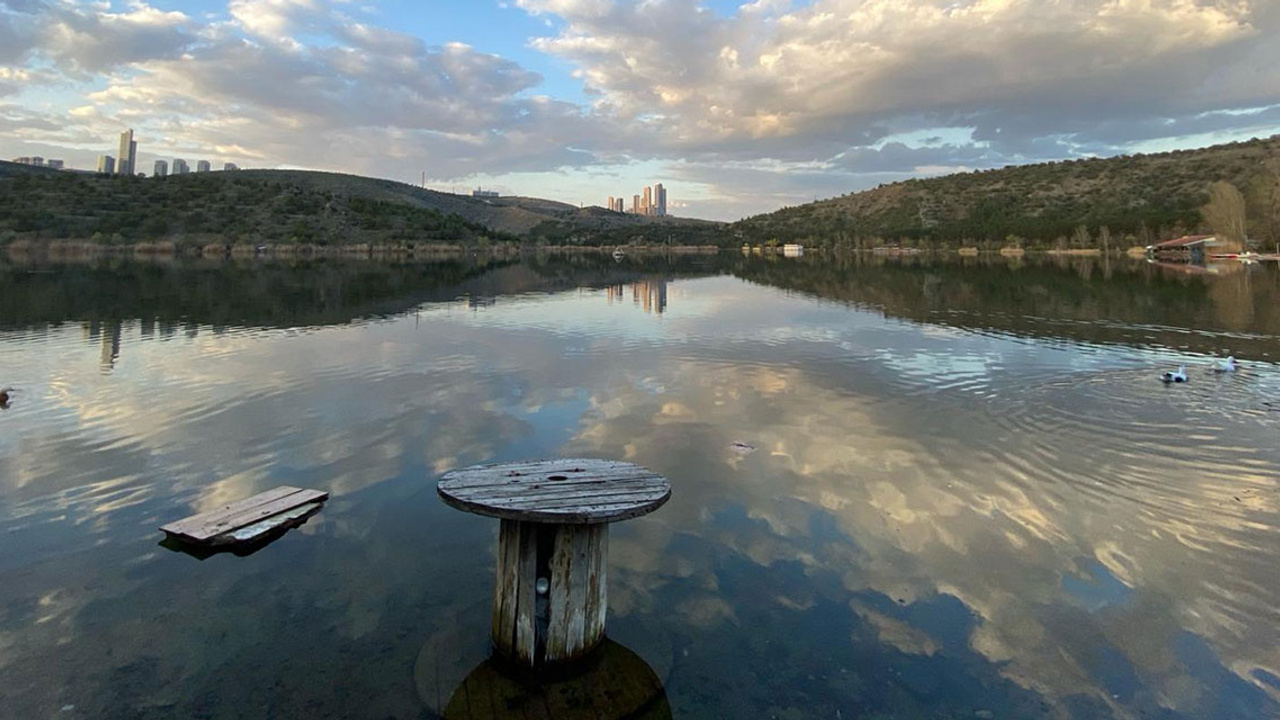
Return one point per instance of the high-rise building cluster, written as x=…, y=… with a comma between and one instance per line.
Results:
x=126, y=163
x=652, y=202
x=38, y=161
x=127, y=160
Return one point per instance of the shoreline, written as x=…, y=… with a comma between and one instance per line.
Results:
x=63, y=250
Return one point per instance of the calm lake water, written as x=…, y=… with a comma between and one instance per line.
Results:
x=970, y=494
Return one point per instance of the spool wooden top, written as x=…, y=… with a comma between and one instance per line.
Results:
x=571, y=491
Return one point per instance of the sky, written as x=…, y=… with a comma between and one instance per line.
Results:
x=737, y=108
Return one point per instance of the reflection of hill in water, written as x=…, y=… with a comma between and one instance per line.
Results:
x=1082, y=299
x=274, y=294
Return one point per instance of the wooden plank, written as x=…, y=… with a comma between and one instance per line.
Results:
x=575, y=491
x=567, y=491
x=526, y=602
x=464, y=479
x=576, y=624
x=578, y=589
x=503, y=623
x=561, y=588
x=597, y=588
x=207, y=528
x=249, y=533
x=576, y=502
x=184, y=526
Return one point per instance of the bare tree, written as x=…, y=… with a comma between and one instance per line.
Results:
x=1225, y=213
x=1081, y=237
x=1269, y=199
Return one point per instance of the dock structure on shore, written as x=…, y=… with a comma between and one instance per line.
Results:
x=550, y=599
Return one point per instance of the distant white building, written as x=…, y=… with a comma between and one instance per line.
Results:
x=203, y=166
x=227, y=167
x=106, y=164
x=484, y=193
x=161, y=169
x=180, y=167
x=55, y=164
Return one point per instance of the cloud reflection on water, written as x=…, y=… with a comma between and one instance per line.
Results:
x=927, y=505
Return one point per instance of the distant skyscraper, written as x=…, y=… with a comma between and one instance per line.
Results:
x=610, y=205
x=161, y=169
x=180, y=167
x=647, y=208
x=106, y=164
x=127, y=164
x=635, y=204
x=659, y=200
x=229, y=166
x=619, y=205
x=203, y=166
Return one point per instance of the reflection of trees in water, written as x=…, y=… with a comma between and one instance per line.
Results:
x=323, y=292
x=1088, y=299
x=1081, y=298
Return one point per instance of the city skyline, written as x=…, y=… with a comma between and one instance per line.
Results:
x=746, y=107
x=652, y=200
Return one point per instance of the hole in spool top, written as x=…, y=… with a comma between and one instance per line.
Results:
x=558, y=477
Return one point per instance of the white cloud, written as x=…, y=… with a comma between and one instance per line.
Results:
x=802, y=97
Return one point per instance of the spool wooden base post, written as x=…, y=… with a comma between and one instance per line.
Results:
x=549, y=599
x=568, y=564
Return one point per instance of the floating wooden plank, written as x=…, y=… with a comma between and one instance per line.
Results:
x=564, y=491
x=245, y=520
x=249, y=533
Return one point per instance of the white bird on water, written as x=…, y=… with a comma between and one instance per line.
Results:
x=1175, y=377
x=1225, y=366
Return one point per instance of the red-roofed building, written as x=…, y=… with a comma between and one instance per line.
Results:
x=1192, y=248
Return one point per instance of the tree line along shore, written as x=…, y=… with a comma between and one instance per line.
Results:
x=1100, y=204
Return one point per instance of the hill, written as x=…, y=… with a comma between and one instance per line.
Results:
x=1137, y=198
x=293, y=206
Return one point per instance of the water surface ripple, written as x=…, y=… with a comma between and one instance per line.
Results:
x=969, y=494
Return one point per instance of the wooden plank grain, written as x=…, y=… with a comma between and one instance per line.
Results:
x=503, y=623
x=597, y=587
x=210, y=529
x=561, y=585
x=579, y=490
x=184, y=526
x=578, y=589
x=570, y=491
x=249, y=533
x=526, y=596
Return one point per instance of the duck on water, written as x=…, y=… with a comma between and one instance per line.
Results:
x=1222, y=366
